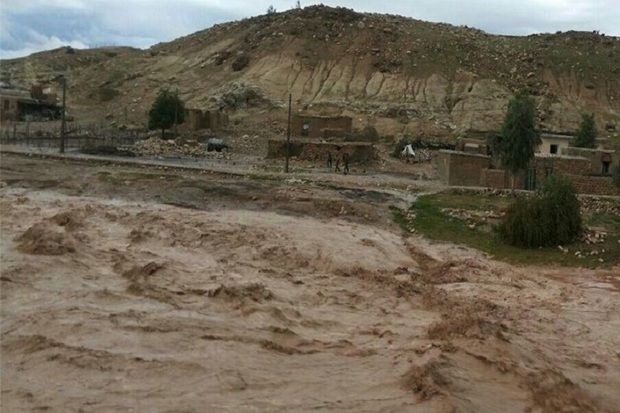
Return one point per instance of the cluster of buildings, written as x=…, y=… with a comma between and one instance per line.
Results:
x=317, y=137
x=28, y=105
x=588, y=169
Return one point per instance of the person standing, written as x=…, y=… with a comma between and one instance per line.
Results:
x=345, y=160
x=329, y=160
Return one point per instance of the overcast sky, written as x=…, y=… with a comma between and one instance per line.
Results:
x=28, y=26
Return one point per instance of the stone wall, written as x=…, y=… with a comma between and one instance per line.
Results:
x=594, y=185
x=584, y=184
x=359, y=152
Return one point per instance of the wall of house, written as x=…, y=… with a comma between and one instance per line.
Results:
x=472, y=146
x=561, y=165
x=461, y=169
x=8, y=108
x=318, y=123
x=545, y=146
x=494, y=178
x=499, y=179
x=595, y=156
x=328, y=133
x=196, y=119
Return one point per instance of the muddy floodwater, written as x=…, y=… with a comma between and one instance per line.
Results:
x=136, y=289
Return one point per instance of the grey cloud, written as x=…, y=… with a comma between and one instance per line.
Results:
x=34, y=25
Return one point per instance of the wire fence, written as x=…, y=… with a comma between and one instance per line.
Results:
x=77, y=136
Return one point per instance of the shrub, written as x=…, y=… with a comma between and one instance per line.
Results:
x=551, y=217
x=240, y=62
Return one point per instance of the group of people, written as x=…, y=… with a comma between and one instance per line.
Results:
x=345, y=162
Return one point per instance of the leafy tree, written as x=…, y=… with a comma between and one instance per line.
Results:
x=586, y=135
x=271, y=9
x=494, y=143
x=551, y=217
x=298, y=4
x=519, y=135
x=167, y=110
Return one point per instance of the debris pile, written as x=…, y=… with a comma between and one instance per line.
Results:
x=594, y=235
x=175, y=147
x=600, y=205
x=472, y=218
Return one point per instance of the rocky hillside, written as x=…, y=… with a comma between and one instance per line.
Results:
x=400, y=74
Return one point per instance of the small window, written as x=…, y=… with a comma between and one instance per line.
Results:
x=606, y=168
x=553, y=149
x=305, y=129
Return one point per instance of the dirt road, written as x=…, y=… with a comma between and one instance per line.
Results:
x=138, y=289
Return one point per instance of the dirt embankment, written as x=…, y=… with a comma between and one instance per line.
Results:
x=116, y=301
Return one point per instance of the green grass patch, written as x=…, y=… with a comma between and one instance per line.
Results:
x=427, y=217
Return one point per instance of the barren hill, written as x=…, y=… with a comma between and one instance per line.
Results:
x=401, y=74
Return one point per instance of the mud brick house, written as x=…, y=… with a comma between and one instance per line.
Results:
x=315, y=127
x=601, y=161
x=588, y=169
x=18, y=105
x=553, y=143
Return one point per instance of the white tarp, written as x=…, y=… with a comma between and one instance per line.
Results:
x=408, y=151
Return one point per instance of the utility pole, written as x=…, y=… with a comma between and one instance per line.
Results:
x=64, y=109
x=176, y=96
x=288, y=133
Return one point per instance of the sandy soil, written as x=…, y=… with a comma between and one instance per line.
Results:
x=133, y=289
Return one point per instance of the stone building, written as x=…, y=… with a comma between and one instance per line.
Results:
x=588, y=169
x=18, y=105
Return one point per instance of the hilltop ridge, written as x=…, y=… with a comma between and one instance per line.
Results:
x=403, y=75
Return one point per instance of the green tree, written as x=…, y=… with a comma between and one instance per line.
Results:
x=167, y=110
x=519, y=136
x=271, y=9
x=586, y=135
x=494, y=145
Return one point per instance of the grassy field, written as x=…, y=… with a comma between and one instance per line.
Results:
x=469, y=219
